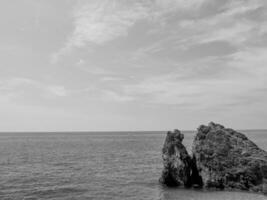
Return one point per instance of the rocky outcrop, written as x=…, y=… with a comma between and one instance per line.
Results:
x=228, y=159
x=221, y=158
x=179, y=167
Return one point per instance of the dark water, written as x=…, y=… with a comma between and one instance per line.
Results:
x=94, y=166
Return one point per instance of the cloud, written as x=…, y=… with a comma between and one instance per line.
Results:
x=187, y=37
x=253, y=61
x=232, y=24
x=215, y=45
x=92, y=69
x=197, y=94
x=111, y=96
x=102, y=94
x=16, y=87
x=238, y=33
x=98, y=22
x=179, y=4
x=111, y=78
x=240, y=81
x=164, y=89
x=59, y=91
x=23, y=89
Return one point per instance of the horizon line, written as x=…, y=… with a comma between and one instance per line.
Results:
x=116, y=131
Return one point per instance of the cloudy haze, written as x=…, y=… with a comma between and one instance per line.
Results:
x=132, y=65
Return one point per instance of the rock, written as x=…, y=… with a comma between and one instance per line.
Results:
x=221, y=158
x=179, y=168
x=228, y=159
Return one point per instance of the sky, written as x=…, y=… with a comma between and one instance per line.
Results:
x=115, y=65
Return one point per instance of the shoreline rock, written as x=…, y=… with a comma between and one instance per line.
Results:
x=179, y=168
x=222, y=158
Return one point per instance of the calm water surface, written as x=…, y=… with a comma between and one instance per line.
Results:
x=101, y=166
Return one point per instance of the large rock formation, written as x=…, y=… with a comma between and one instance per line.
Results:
x=221, y=158
x=228, y=159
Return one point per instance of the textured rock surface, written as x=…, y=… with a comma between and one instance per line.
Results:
x=179, y=168
x=228, y=159
x=221, y=158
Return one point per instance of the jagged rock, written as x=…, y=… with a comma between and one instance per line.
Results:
x=179, y=168
x=228, y=159
x=221, y=158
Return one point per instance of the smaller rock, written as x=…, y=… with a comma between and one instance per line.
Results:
x=179, y=168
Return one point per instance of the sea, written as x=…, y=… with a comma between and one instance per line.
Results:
x=96, y=165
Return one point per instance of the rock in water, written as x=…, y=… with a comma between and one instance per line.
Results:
x=179, y=168
x=228, y=159
x=222, y=158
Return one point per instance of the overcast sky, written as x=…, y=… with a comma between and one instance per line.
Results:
x=132, y=64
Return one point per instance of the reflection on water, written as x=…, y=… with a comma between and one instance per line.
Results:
x=94, y=166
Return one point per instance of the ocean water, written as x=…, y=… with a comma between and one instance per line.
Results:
x=124, y=165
